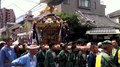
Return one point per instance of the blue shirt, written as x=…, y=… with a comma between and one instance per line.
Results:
x=91, y=60
x=7, y=55
x=24, y=61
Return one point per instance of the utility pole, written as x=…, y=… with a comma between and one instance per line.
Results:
x=0, y=4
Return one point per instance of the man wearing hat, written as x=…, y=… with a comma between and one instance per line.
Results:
x=105, y=58
x=28, y=60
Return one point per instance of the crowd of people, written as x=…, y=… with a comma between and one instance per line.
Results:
x=72, y=54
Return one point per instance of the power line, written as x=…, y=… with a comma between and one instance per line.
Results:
x=29, y=10
x=34, y=7
x=16, y=6
x=31, y=1
x=38, y=7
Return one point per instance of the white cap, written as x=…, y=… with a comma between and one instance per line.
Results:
x=88, y=44
x=99, y=43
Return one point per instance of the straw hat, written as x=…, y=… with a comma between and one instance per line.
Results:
x=33, y=46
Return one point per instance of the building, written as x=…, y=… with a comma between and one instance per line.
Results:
x=22, y=19
x=23, y=23
x=94, y=11
x=115, y=16
x=7, y=16
x=85, y=6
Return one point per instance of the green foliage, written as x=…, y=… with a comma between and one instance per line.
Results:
x=27, y=26
x=76, y=29
x=71, y=20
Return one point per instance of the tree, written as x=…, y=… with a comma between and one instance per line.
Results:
x=77, y=30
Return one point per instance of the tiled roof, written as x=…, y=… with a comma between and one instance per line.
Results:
x=103, y=31
x=102, y=21
x=114, y=14
x=14, y=26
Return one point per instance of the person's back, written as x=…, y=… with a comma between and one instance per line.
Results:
x=80, y=61
x=40, y=58
x=92, y=55
x=91, y=60
x=50, y=58
x=62, y=58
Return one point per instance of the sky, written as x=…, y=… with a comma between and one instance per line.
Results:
x=20, y=7
x=111, y=5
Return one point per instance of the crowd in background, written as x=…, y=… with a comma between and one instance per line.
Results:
x=72, y=54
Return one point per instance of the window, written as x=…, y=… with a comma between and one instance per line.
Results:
x=84, y=3
x=119, y=19
x=66, y=2
x=95, y=4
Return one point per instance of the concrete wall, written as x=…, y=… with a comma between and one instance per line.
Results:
x=73, y=5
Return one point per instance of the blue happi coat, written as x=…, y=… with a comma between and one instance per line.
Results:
x=24, y=61
x=7, y=55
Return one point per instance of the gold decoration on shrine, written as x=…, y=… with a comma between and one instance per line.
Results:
x=49, y=26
